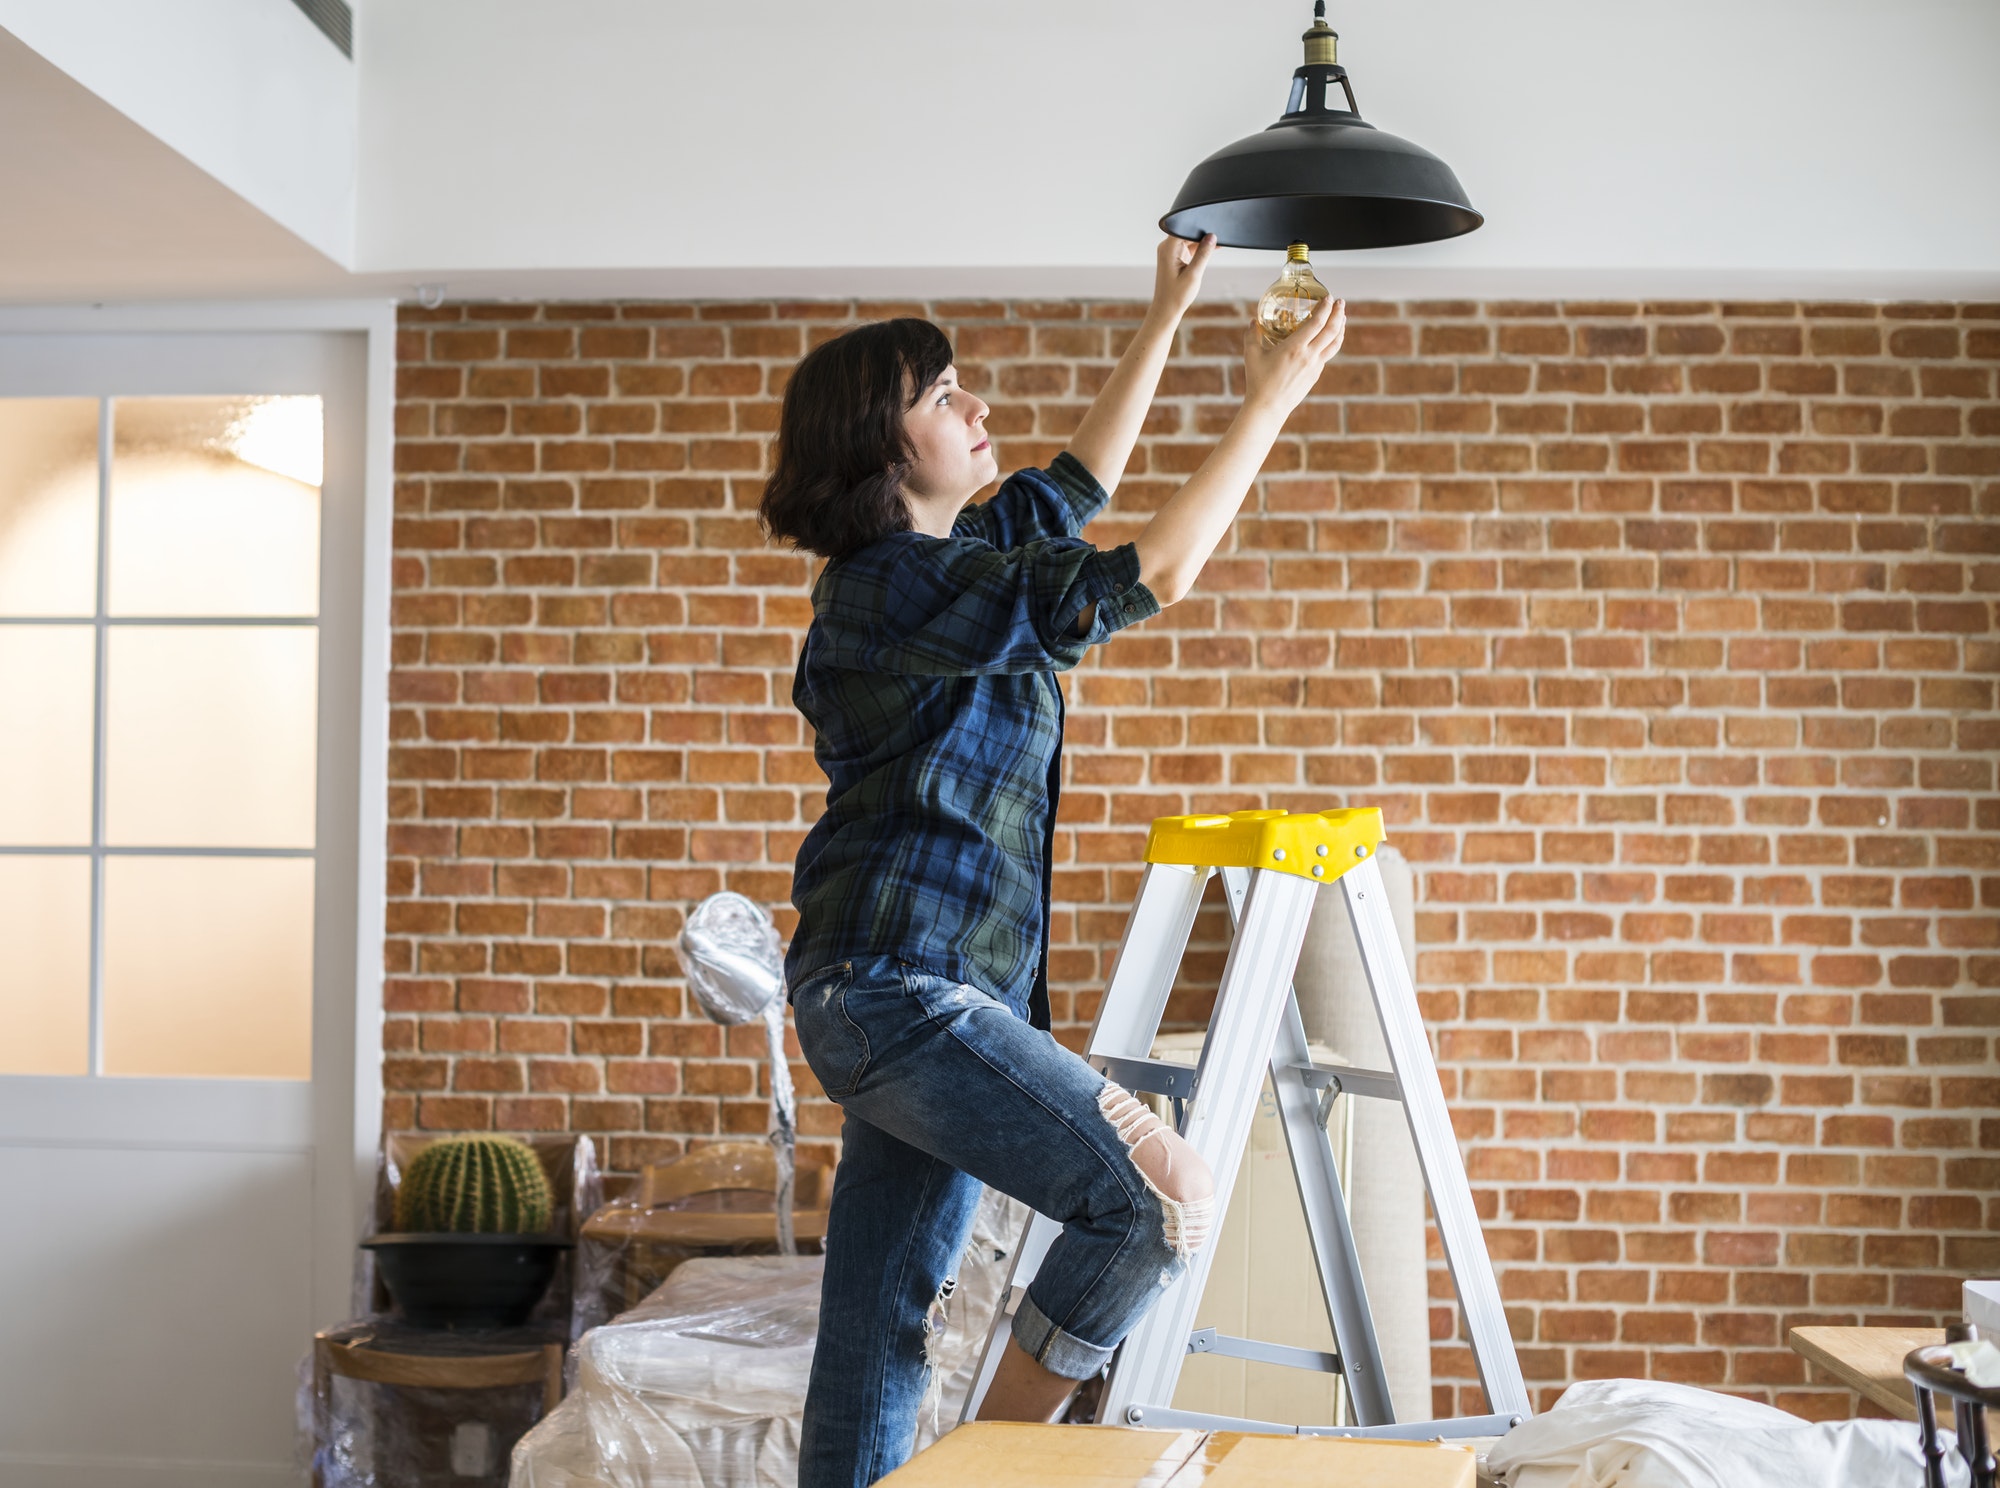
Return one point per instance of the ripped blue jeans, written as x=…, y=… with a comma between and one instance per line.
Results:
x=945, y=1088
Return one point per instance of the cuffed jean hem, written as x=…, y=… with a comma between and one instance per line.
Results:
x=1056, y=1351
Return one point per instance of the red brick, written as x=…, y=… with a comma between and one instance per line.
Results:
x=1659, y=632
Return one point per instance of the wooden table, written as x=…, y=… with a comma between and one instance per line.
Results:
x=1869, y=1360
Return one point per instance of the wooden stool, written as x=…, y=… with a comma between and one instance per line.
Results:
x=542, y=1365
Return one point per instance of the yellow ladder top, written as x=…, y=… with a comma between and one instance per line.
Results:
x=1320, y=845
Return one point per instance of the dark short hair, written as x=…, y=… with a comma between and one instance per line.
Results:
x=837, y=484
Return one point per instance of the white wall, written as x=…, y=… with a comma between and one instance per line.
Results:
x=886, y=147
x=681, y=146
x=247, y=90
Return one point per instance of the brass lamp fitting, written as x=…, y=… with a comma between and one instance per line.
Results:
x=1322, y=42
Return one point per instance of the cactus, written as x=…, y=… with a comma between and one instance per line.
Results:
x=474, y=1185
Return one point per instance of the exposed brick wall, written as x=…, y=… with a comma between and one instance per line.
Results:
x=1664, y=634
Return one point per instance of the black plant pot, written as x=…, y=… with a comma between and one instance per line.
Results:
x=467, y=1281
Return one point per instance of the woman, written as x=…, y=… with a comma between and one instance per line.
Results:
x=918, y=971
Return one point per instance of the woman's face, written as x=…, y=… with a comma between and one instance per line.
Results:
x=947, y=430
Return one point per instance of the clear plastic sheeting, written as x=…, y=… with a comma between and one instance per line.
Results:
x=1623, y=1433
x=577, y=1188
x=703, y=1384
x=411, y=1437
x=374, y=1435
x=358, y=1433
x=717, y=1199
x=730, y=952
x=700, y=1385
x=735, y=967
x=784, y=1127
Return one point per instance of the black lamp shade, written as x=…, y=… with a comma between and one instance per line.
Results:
x=1324, y=177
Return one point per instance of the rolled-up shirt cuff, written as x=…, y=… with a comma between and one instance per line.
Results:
x=1079, y=488
x=1117, y=591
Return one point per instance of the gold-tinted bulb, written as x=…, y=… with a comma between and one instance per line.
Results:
x=1292, y=297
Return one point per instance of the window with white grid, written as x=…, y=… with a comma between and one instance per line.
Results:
x=159, y=645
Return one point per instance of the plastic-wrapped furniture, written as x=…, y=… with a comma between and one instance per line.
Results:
x=716, y=1198
x=703, y=1384
x=390, y=1405
x=570, y=1161
x=540, y=1364
x=456, y=1405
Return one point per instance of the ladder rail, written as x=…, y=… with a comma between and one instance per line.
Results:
x=1233, y=1060
x=1451, y=1428
x=1128, y=1016
x=1395, y=996
x=1149, y=959
x=1328, y=1230
x=1330, y=1233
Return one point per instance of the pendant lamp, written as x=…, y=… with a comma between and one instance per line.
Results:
x=1321, y=175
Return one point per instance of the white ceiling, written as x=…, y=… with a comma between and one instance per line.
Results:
x=98, y=208
x=907, y=147
x=1839, y=146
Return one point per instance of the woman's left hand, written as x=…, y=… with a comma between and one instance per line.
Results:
x=1104, y=440
x=1177, y=274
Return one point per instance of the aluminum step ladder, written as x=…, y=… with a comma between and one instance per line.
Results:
x=1273, y=865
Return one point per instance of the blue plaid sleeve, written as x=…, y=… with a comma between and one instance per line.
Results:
x=959, y=607
x=1056, y=502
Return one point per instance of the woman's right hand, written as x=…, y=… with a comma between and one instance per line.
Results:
x=1177, y=542
x=1279, y=374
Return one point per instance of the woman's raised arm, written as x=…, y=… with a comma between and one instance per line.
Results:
x=1177, y=542
x=1104, y=440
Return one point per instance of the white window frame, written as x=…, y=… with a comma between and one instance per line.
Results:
x=347, y=1059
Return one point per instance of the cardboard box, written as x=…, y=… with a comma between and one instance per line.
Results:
x=1003, y=1454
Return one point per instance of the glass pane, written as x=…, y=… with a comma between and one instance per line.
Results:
x=44, y=966
x=210, y=736
x=215, y=506
x=48, y=506
x=47, y=671
x=208, y=967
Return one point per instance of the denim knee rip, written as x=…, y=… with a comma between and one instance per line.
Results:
x=1188, y=1221
x=937, y=1322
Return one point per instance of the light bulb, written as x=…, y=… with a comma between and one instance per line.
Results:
x=1292, y=297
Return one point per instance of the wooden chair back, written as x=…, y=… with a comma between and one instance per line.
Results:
x=727, y=1166
x=332, y=1356
x=456, y=1371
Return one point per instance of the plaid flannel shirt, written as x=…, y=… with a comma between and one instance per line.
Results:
x=928, y=675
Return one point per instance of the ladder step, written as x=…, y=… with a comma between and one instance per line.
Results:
x=1456, y=1429
x=1208, y=1341
x=1343, y=1080
x=1153, y=1076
